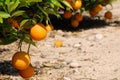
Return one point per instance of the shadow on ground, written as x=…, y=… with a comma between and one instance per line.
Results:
x=87, y=23
x=6, y=68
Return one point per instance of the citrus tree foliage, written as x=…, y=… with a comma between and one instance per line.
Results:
x=24, y=14
x=18, y=16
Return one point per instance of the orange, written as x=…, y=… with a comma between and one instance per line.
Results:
x=78, y=17
x=77, y=4
x=58, y=43
x=74, y=23
x=93, y=13
x=38, y=32
x=98, y=8
x=21, y=60
x=67, y=14
x=108, y=15
x=28, y=72
x=49, y=27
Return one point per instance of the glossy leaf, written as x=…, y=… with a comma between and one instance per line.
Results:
x=17, y=13
x=4, y=14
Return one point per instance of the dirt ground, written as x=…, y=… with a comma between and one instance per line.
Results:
x=87, y=54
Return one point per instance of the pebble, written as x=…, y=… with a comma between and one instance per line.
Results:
x=67, y=35
x=74, y=64
x=77, y=45
x=60, y=32
x=66, y=78
x=98, y=36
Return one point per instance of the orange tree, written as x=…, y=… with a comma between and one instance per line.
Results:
x=18, y=16
x=25, y=20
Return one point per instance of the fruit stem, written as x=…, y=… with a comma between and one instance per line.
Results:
x=20, y=45
x=28, y=48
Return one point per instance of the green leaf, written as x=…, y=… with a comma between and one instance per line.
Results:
x=8, y=40
x=66, y=4
x=17, y=13
x=1, y=20
x=42, y=10
x=13, y=6
x=7, y=2
x=23, y=22
x=4, y=14
x=56, y=3
x=33, y=0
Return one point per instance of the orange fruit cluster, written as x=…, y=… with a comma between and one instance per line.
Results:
x=77, y=17
x=21, y=61
x=98, y=8
x=76, y=20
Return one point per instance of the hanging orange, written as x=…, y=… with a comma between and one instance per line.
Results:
x=78, y=17
x=49, y=27
x=98, y=8
x=67, y=14
x=74, y=23
x=108, y=15
x=38, y=32
x=28, y=72
x=21, y=60
x=77, y=4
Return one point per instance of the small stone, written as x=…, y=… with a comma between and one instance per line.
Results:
x=74, y=65
x=64, y=63
x=98, y=36
x=77, y=45
x=60, y=32
x=43, y=56
x=66, y=78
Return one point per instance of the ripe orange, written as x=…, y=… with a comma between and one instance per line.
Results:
x=98, y=8
x=78, y=17
x=21, y=60
x=49, y=27
x=93, y=13
x=67, y=14
x=108, y=15
x=77, y=4
x=74, y=23
x=58, y=43
x=28, y=72
x=38, y=32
